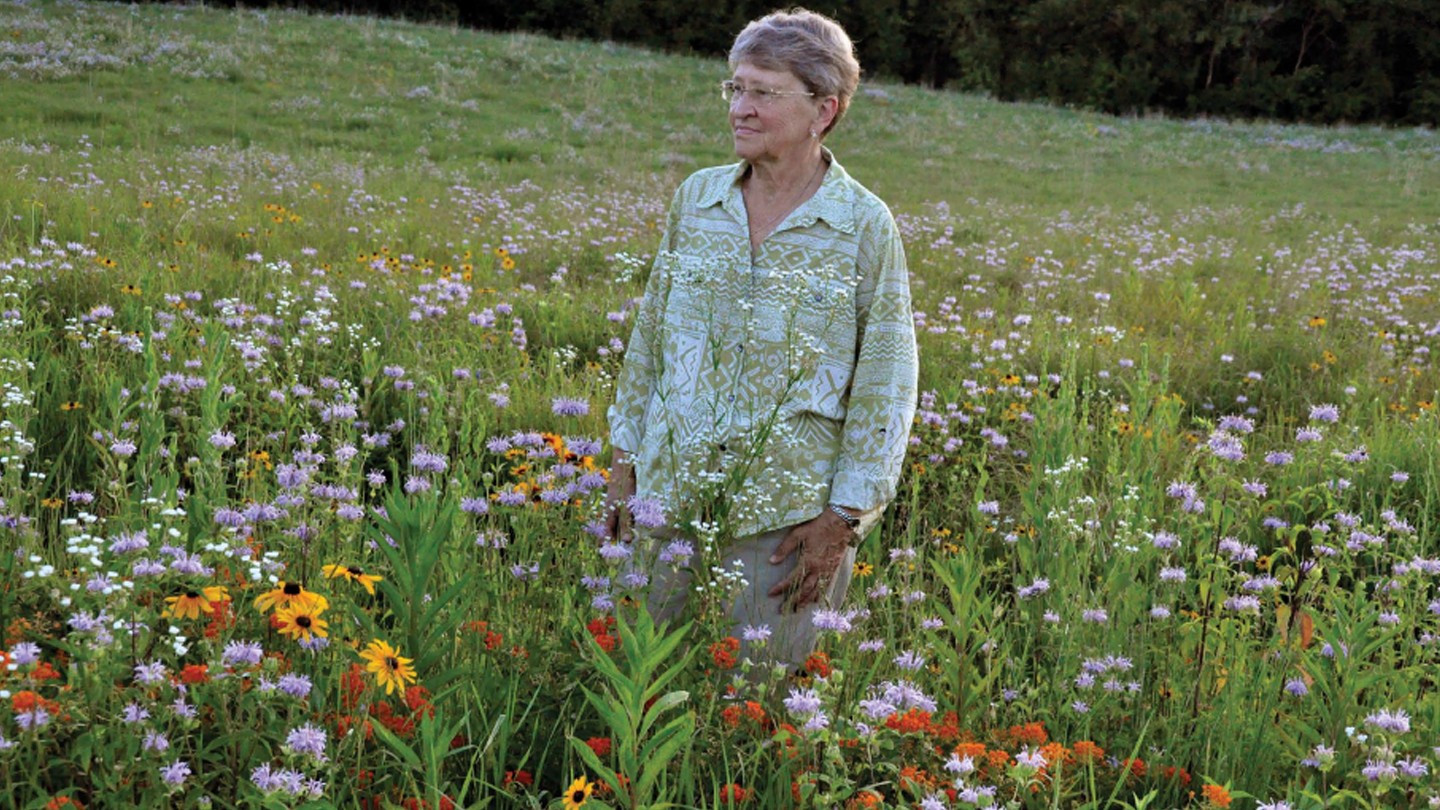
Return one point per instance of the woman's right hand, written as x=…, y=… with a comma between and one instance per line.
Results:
x=618, y=491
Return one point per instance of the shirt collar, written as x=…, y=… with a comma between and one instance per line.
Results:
x=833, y=202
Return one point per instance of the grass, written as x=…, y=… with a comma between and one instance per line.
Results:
x=262, y=268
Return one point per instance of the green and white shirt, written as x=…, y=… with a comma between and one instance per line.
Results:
x=786, y=380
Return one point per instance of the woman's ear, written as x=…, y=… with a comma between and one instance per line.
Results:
x=828, y=107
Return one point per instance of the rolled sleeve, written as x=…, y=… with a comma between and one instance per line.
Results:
x=883, y=389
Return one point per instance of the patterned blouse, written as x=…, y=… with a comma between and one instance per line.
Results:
x=755, y=390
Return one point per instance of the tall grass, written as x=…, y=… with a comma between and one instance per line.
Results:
x=283, y=292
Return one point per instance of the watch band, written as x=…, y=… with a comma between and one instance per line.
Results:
x=850, y=520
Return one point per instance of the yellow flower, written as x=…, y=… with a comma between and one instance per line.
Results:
x=72, y=405
x=191, y=604
x=354, y=574
x=1317, y=322
x=290, y=595
x=507, y=263
x=391, y=671
x=52, y=503
x=863, y=569
x=578, y=793
x=301, y=622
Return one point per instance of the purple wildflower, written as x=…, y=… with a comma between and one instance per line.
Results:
x=566, y=406
x=307, y=739
x=175, y=773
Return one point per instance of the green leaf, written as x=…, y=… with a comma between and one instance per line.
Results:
x=659, y=706
x=398, y=745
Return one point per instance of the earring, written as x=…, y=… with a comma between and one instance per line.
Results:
x=812, y=134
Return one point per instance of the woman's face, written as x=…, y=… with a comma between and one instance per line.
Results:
x=779, y=129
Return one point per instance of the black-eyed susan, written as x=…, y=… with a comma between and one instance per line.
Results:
x=301, y=622
x=130, y=289
x=354, y=574
x=390, y=669
x=52, y=503
x=1317, y=322
x=578, y=793
x=72, y=405
x=290, y=595
x=106, y=262
x=862, y=569
x=507, y=263
x=190, y=604
x=146, y=204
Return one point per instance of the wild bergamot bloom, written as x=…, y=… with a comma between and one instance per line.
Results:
x=391, y=671
x=301, y=622
x=191, y=604
x=354, y=574
x=578, y=793
x=290, y=594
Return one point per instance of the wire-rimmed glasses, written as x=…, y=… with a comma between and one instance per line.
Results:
x=731, y=91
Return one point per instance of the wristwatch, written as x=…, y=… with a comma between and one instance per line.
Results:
x=850, y=520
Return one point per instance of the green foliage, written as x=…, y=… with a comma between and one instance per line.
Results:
x=633, y=709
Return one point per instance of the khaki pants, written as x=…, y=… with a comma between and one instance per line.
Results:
x=792, y=633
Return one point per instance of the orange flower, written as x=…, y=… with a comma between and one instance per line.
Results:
x=865, y=798
x=724, y=652
x=733, y=794
x=195, y=673
x=1087, y=752
x=911, y=722
x=600, y=745
x=1032, y=734
x=1215, y=796
x=818, y=664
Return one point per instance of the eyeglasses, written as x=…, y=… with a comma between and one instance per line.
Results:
x=731, y=90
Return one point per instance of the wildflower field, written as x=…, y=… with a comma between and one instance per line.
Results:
x=308, y=329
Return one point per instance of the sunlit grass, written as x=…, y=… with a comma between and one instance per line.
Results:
x=266, y=272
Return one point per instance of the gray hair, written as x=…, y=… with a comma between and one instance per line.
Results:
x=810, y=45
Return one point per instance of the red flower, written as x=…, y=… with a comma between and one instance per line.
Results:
x=353, y=685
x=195, y=673
x=519, y=777
x=600, y=745
x=416, y=697
x=910, y=722
x=818, y=664
x=724, y=652
x=733, y=794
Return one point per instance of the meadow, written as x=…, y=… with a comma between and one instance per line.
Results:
x=309, y=326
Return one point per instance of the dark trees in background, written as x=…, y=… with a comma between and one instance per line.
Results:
x=1322, y=61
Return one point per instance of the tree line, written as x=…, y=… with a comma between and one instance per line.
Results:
x=1322, y=61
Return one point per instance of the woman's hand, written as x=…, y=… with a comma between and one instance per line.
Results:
x=618, y=491
x=822, y=544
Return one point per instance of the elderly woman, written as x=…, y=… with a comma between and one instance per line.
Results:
x=769, y=384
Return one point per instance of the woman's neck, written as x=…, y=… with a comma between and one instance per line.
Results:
x=772, y=179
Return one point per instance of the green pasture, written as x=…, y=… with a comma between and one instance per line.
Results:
x=220, y=232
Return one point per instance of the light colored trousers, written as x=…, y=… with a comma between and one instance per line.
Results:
x=792, y=633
